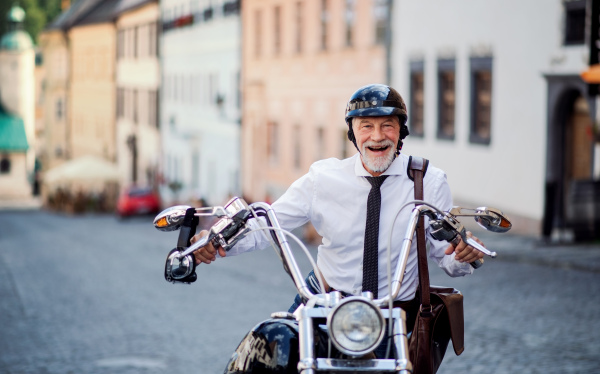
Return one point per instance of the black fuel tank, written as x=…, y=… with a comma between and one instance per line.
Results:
x=270, y=347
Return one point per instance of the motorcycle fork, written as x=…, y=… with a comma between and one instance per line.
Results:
x=307, y=363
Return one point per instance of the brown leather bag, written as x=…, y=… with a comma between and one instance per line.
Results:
x=440, y=316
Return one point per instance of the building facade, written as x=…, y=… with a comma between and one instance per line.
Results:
x=302, y=60
x=200, y=100
x=495, y=98
x=92, y=85
x=17, y=109
x=138, y=83
x=53, y=44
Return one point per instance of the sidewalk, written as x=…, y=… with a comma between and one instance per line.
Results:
x=30, y=203
x=516, y=248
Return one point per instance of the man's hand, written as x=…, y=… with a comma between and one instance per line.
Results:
x=208, y=253
x=464, y=252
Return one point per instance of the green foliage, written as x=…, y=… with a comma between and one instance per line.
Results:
x=38, y=13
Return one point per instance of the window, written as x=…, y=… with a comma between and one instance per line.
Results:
x=324, y=23
x=59, y=109
x=481, y=100
x=153, y=39
x=277, y=30
x=5, y=165
x=120, y=102
x=297, y=157
x=257, y=33
x=417, y=99
x=134, y=106
x=299, y=27
x=344, y=144
x=135, y=45
x=208, y=14
x=380, y=15
x=320, y=144
x=152, y=108
x=574, y=22
x=120, y=44
x=231, y=7
x=272, y=143
x=446, y=99
x=349, y=16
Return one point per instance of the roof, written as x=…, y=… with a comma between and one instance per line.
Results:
x=86, y=12
x=77, y=10
x=105, y=11
x=12, y=133
x=126, y=5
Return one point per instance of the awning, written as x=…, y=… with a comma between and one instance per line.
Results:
x=83, y=169
x=12, y=133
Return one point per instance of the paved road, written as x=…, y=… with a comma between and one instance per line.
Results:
x=86, y=295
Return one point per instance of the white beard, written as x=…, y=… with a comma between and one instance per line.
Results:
x=381, y=163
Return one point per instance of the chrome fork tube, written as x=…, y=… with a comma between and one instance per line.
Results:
x=403, y=364
x=307, y=363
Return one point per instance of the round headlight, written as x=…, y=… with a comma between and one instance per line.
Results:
x=356, y=326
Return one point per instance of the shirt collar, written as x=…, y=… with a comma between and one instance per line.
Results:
x=396, y=168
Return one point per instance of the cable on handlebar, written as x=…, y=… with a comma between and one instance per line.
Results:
x=302, y=246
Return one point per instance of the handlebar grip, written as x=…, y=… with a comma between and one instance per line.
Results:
x=477, y=264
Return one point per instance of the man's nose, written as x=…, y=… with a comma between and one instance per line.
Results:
x=377, y=134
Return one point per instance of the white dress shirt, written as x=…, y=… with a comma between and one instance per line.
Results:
x=333, y=197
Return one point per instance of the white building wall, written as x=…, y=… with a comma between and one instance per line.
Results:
x=524, y=40
x=200, y=138
x=139, y=73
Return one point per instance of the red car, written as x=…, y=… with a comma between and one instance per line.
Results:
x=138, y=200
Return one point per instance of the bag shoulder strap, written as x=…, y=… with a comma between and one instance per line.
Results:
x=417, y=167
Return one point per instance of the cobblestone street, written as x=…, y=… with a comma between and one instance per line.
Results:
x=86, y=295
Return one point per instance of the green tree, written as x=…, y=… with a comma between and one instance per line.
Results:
x=37, y=14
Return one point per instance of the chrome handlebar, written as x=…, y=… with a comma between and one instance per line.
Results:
x=233, y=226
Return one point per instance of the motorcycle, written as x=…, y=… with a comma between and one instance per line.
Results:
x=330, y=332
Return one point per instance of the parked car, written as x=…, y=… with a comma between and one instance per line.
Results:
x=138, y=200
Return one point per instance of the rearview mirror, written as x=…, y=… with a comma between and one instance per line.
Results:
x=171, y=218
x=492, y=219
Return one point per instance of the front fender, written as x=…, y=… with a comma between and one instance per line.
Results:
x=270, y=347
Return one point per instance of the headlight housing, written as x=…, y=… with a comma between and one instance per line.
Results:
x=356, y=326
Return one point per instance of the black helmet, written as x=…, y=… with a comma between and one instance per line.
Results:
x=376, y=100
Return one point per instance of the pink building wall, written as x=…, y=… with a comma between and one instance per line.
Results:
x=302, y=91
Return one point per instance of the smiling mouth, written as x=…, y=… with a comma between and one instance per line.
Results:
x=378, y=149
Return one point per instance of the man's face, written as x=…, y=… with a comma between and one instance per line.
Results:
x=376, y=138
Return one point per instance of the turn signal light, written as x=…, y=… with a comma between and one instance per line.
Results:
x=162, y=222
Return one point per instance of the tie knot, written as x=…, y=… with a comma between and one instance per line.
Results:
x=377, y=181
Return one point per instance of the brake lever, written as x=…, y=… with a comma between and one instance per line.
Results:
x=447, y=227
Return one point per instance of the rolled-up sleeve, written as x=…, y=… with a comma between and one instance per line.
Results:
x=443, y=200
